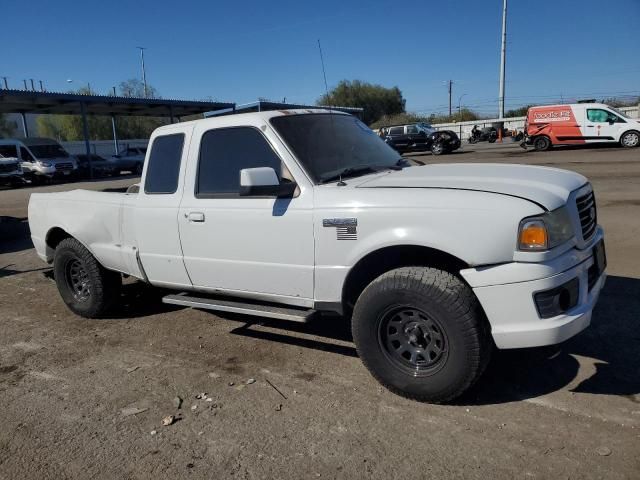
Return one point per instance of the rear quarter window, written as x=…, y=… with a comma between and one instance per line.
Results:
x=163, y=168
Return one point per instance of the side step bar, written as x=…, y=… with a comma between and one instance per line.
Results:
x=292, y=314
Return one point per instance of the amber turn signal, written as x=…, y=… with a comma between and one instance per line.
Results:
x=533, y=236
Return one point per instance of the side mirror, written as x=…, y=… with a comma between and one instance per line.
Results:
x=263, y=182
x=612, y=121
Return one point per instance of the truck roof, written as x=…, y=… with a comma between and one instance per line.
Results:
x=265, y=116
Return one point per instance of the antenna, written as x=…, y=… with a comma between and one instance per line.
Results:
x=326, y=91
x=324, y=73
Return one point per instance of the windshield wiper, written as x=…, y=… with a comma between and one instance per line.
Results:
x=348, y=172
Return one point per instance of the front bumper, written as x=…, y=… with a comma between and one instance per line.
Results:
x=510, y=307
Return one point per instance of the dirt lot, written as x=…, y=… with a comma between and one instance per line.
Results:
x=70, y=388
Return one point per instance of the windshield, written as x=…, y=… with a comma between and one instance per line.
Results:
x=619, y=112
x=327, y=144
x=48, y=151
x=426, y=127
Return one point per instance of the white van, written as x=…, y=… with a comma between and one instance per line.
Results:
x=580, y=123
x=10, y=169
x=40, y=158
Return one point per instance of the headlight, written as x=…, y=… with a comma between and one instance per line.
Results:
x=45, y=164
x=544, y=232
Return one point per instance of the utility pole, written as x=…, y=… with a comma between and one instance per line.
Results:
x=450, y=88
x=503, y=55
x=6, y=85
x=144, y=74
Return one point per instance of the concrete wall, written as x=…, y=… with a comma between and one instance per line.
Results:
x=463, y=129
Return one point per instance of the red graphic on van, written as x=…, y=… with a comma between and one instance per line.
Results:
x=558, y=122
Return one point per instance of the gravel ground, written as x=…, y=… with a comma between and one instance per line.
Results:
x=86, y=398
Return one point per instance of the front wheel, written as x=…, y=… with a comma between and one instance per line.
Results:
x=541, y=144
x=87, y=288
x=421, y=333
x=630, y=139
x=437, y=148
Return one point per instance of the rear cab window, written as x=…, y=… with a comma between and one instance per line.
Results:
x=163, y=168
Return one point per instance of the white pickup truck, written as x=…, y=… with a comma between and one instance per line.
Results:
x=287, y=213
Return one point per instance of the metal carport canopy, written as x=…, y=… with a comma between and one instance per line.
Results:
x=34, y=102
x=28, y=101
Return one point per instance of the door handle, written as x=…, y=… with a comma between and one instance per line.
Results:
x=195, y=216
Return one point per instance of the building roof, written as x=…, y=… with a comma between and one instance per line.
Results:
x=27, y=101
x=267, y=105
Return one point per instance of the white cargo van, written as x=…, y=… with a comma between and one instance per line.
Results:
x=41, y=158
x=580, y=123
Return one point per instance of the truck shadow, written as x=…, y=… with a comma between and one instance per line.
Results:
x=320, y=333
x=14, y=235
x=610, y=344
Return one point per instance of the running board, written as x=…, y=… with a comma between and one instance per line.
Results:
x=292, y=314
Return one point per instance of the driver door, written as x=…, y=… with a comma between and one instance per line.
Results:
x=257, y=246
x=602, y=125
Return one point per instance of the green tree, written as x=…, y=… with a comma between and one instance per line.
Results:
x=517, y=112
x=137, y=127
x=7, y=128
x=376, y=100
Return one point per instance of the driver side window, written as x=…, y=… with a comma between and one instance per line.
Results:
x=26, y=156
x=598, y=115
x=226, y=151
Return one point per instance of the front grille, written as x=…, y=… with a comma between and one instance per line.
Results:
x=64, y=166
x=8, y=167
x=588, y=215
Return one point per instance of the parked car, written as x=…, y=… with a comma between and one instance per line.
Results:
x=99, y=166
x=417, y=137
x=42, y=159
x=130, y=159
x=287, y=213
x=578, y=124
x=10, y=169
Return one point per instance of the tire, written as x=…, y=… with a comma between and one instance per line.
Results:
x=492, y=139
x=630, y=139
x=541, y=144
x=390, y=320
x=437, y=148
x=473, y=140
x=88, y=289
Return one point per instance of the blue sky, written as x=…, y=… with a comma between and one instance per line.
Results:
x=239, y=51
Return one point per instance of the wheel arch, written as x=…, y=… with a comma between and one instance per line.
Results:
x=54, y=236
x=380, y=261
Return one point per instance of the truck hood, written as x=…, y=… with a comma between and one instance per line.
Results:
x=548, y=187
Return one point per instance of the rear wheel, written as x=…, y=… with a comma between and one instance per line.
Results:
x=421, y=333
x=87, y=288
x=541, y=143
x=630, y=139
